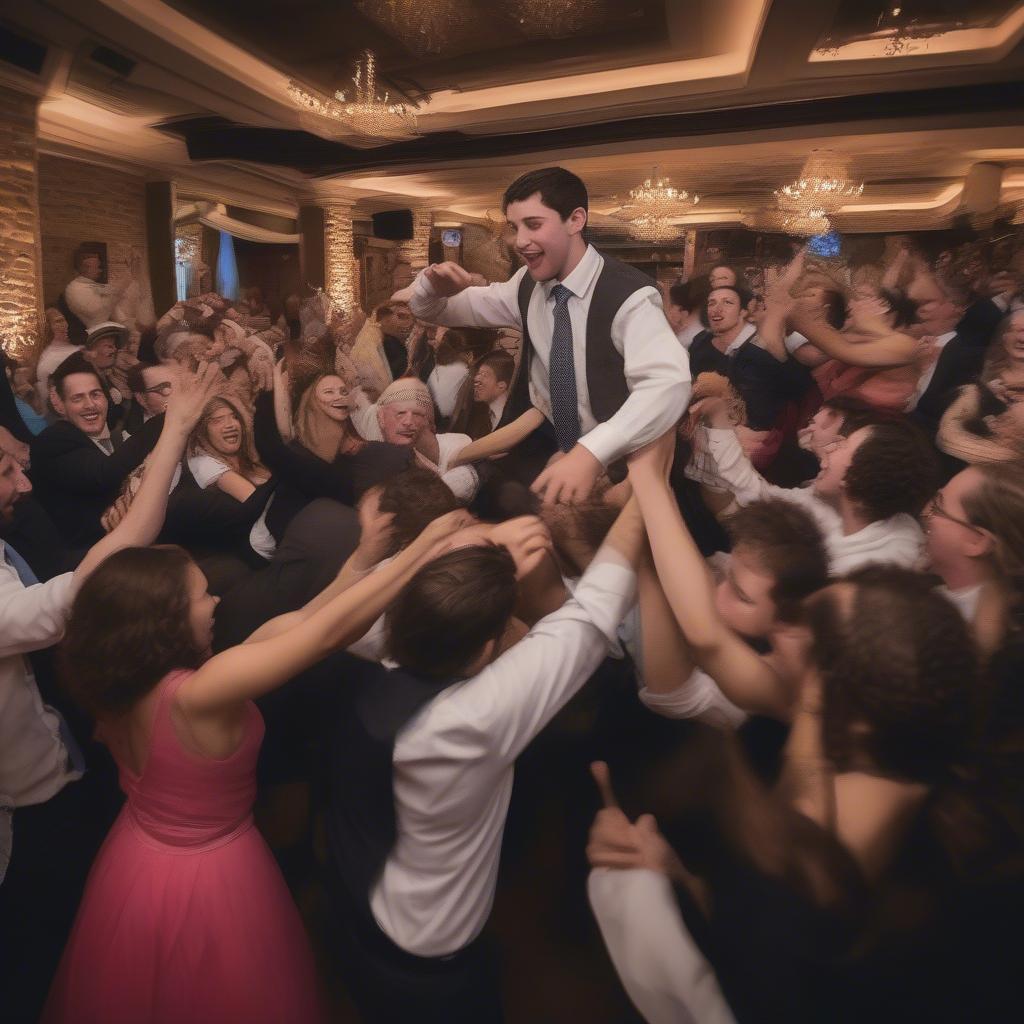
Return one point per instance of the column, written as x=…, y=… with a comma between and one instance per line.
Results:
x=339, y=257
x=160, y=244
x=20, y=261
x=414, y=251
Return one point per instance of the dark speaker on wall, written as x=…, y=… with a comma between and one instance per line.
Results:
x=394, y=225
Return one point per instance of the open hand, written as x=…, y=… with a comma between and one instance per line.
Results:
x=448, y=278
x=527, y=540
x=191, y=394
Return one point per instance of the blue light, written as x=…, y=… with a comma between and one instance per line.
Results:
x=826, y=245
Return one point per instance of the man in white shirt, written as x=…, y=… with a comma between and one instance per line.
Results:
x=52, y=831
x=871, y=487
x=433, y=742
x=89, y=300
x=598, y=358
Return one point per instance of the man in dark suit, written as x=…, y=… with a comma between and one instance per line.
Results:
x=78, y=463
x=150, y=386
x=483, y=398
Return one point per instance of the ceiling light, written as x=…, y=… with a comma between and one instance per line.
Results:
x=824, y=185
x=365, y=115
x=653, y=229
x=422, y=26
x=658, y=197
x=813, y=222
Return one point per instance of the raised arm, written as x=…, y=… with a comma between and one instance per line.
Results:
x=875, y=348
x=500, y=441
x=444, y=293
x=956, y=440
x=252, y=669
x=771, y=332
x=743, y=676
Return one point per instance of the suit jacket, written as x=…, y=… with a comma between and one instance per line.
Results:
x=959, y=363
x=76, y=482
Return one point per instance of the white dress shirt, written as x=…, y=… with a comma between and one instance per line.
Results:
x=453, y=766
x=34, y=763
x=93, y=303
x=496, y=408
x=657, y=369
x=445, y=383
x=897, y=540
x=659, y=964
x=926, y=377
x=686, y=334
x=463, y=480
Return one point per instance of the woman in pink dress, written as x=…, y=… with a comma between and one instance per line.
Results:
x=186, y=917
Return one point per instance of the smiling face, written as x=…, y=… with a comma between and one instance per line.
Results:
x=159, y=382
x=486, y=386
x=548, y=245
x=82, y=403
x=822, y=429
x=403, y=422
x=332, y=399
x=201, y=606
x=13, y=484
x=224, y=430
x=725, y=312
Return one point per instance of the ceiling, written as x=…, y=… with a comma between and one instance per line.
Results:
x=725, y=96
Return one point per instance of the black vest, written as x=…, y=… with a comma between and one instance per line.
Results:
x=361, y=822
x=606, y=378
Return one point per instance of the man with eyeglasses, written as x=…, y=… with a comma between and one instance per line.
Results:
x=150, y=386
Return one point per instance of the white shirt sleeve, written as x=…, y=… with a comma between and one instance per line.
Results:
x=206, y=469
x=795, y=340
x=657, y=370
x=495, y=305
x=511, y=700
x=699, y=697
x=91, y=302
x=660, y=966
x=736, y=471
x=32, y=618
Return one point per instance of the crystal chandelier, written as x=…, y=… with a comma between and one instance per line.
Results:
x=365, y=115
x=422, y=26
x=657, y=197
x=813, y=222
x=823, y=187
x=555, y=19
x=653, y=229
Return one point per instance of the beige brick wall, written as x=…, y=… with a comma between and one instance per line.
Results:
x=19, y=216
x=414, y=250
x=86, y=202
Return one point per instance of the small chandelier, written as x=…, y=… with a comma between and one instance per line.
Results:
x=422, y=26
x=653, y=229
x=366, y=114
x=824, y=185
x=657, y=197
x=555, y=19
x=813, y=222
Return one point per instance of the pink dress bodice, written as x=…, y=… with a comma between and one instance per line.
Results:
x=182, y=798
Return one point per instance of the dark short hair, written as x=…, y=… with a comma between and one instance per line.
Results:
x=502, y=363
x=448, y=611
x=75, y=363
x=786, y=540
x=895, y=469
x=857, y=413
x=129, y=627
x=904, y=309
x=136, y=377
x=416, y=497
x=560, y=190
x=689, y=295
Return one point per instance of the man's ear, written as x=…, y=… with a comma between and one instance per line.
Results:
x=504, y=385
x=576, y=221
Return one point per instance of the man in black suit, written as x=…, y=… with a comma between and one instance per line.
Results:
x=150, y=386
x=482, y=401
x=78, y=463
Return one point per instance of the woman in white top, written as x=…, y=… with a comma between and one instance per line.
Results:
x=221, y=454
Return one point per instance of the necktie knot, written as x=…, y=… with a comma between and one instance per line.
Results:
x=561, y=294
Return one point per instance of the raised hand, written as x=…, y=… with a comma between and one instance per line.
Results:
x=527, y=540
x=441, y=529
x=190, y=396
x=613, y=841
x=448, y=278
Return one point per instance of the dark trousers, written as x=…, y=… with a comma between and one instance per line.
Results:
x=54, y=847
x=391, y=986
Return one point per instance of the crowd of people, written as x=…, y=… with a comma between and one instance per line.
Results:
x=379, y=554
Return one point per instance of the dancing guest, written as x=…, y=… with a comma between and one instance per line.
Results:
x=150, y=388
x=598, y=356
x=56, y=811
x=683, y=311
x=185, y=915
x=415, y=846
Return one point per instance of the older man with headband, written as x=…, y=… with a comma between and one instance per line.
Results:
x=404, y=415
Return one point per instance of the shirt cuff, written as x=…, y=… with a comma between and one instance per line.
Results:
x=603, y=444
x=1001, y=302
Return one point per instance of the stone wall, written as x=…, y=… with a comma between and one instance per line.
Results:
x=339, y=257
x=20, y=304
x=414, y=250
x=86, y=202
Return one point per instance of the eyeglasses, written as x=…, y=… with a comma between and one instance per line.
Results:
x=936, y=508
x=160, y=389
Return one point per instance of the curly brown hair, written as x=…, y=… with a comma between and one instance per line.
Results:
x=895, y=469
x=898, y=671
x=415, y=497
x=129, y=627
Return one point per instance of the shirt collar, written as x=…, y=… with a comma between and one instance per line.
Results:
x=582, y=277
x=944, y=339
x=747, y=331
